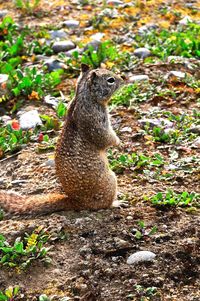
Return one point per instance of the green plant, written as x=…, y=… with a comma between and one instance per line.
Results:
x=61, y=109
x=134, y=161
x=182, y=41
x=9, y=294
x=27, y=5
x=142, y=232
x=32, y=82
x=24, y=251
x=170, y=198
x=144, y=294
x=12, y=138
x=137, y=92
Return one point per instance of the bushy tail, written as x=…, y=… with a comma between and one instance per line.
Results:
x=24, y=205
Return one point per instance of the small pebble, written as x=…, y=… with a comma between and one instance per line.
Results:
x=3, y=13
x=71, y=24
x=177, y=74
x=126, y=129
x=30, y=120
x=57, y=34
x=50, y=162
x=136, y=78
x=142, y=52
x=114, y=2
x=141, y=256
x=53, y=64
x=3, y=78
x=185, y=20
x=156, y=122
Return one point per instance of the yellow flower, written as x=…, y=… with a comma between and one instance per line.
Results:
x=32, y=240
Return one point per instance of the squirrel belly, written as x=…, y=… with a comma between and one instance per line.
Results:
x=80, y=157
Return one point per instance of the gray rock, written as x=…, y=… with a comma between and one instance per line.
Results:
x=195, y=129
x=71, y=24
x=94, y=44
x=142, y=52
x=40, y=58
x=57, y=34
x=139, y=77
x=62, y=46
x=50, y=162
x=141, y=256
x=3, y=13
x=147, y=28
x=29, y=120
x=70, y=52
x=53, y=64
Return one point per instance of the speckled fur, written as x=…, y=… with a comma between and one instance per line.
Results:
x=81, y=161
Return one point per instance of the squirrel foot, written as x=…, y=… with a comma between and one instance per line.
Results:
x=120, y=204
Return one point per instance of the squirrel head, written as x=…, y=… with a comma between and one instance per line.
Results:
x=98, y=84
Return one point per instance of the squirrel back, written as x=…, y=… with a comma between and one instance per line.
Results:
x=80, y=157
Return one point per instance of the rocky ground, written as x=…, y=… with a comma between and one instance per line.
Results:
x=156, y=116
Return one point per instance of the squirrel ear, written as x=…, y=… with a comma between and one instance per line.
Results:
x=84, y=68
x=93, y=75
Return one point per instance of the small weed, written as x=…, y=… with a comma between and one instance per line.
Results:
x=142, y=232
x=137, y=92
x=24, y=251
x=133, y=161
x=12, y=139
x=9, y=294
x=171, y=198
x=61, y=109
x=143, y=293
x=27, y=6
x=32, y=83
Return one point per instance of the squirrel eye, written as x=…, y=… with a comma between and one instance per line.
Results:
x=111, y=80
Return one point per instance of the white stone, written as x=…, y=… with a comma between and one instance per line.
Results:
x=141, y=256
x=185, y=20
x=97, y=36
x=114, y=2
x=30, y=120
x=71, y=23
x=126, y=129
x=139, y=77
x=177, y=74
x=3, y=78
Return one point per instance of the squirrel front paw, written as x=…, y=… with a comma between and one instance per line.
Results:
x=117, y=141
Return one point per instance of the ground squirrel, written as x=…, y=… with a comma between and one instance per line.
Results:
x=80, y=158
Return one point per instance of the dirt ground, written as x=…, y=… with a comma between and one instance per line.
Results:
x=89, y=250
